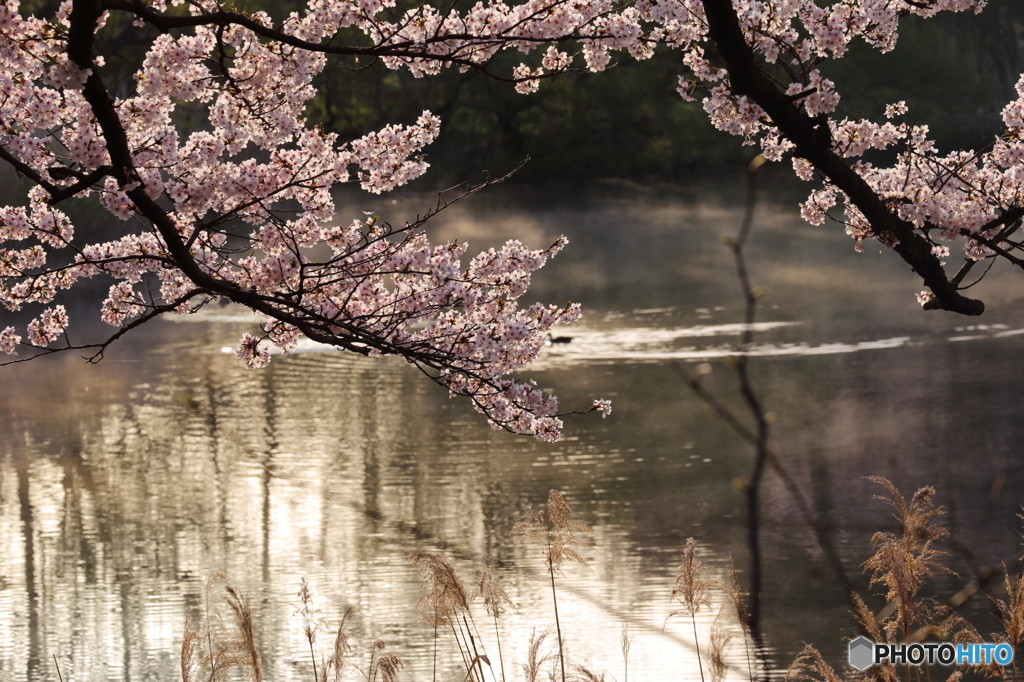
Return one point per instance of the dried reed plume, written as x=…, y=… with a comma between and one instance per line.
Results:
x=809, y=666
x=246, y=645
x=491, y=590
x=884, y=672
x=339, y=655
x=189, y=651
x=225, y=650
x=389, y=665
x=222, y=652
x=311, y=620
x=559, y=536
x=968, y=634
x=721, y=637
x=739, y=607
x=625, y=642
x=535, y=660
x=446, y=595
x=902, y=562
x=691, y=591
x=584, y=674
x=447, y=603
x=1011, y=613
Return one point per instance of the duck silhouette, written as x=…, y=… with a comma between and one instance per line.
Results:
x=559, y=339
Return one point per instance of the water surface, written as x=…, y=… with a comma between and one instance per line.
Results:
x=125, y=486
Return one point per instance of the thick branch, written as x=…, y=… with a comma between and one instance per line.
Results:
x=813, y=142
x=80, y=50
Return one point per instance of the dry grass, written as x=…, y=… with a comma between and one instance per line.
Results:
x=536, y=658
x=1011, y=612
x=809, y=666
x=491, y=591
x=625, y=642
x=340, y=653
x=583, y=674
x=446, y=596
x=902, y=563
x=722, y=634
x=189, y=651
x=739, y=608
x=388, y=665
x=693, y=592
x=559, y=535
x=248, y=653
x=446, y=603
x=554, y=529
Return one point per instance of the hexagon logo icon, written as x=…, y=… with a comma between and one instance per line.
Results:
x=861, y=653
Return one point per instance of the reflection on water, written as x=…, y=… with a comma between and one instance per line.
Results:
x=123, y=487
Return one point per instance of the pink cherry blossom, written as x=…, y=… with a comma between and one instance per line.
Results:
x=369, y=287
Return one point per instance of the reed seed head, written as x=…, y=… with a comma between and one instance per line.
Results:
x=491, y=590
x=189, y=650
x=809, y=666
x=536, y=659
x=691, y=590
x=1011, y=611
x=248, y=652
x=446, y=595
x=721, y=637
x=902, y=562
x=389, y=665
x=555, y=530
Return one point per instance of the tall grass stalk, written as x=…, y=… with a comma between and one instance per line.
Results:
x=903, y=561
x=310, y=621
x=340, y=653
x=535, y=660
x=447, y=603
x=809, y=666
x=1011, y=613
x=692, y=592
x=371, y=671
x=478, y=658
x=721, y=637
x=491, y=590
x=189, y=649
x=213, y=655
x=739, y=606
x=223, y=652
x=559, y=536
x=625, y=641
x=247, y=642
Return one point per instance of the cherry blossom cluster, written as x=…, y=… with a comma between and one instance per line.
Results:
x=241, y=207
x=975, y=197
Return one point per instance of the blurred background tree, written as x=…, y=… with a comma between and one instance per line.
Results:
x=955, y=72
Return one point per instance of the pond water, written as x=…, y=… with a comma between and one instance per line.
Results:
x=125, y=486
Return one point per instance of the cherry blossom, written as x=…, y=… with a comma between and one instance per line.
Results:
x=241, y=207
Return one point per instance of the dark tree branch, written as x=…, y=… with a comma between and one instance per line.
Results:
x=462, y=56
x=813, y=143
x=100, y=348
